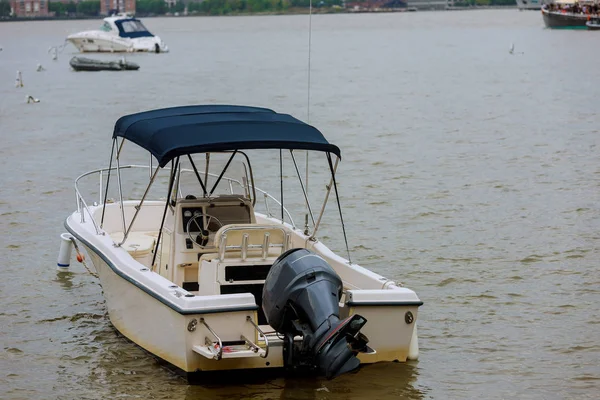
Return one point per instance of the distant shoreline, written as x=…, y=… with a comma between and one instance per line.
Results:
x=299, y=11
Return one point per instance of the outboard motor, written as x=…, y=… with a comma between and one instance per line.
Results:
x=301, y=298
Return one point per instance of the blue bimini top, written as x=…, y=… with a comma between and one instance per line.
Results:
x=172, y=132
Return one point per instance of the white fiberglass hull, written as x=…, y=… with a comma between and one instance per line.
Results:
x=97, y=41
x=162, y=331
x=165, y=319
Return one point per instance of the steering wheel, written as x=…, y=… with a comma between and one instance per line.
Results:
x=202, y=238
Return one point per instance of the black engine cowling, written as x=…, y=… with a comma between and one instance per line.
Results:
x=301, y=298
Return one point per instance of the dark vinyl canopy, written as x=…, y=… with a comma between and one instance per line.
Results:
x=172, y=132
x=132, y=28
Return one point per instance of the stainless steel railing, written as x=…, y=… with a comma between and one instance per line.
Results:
x=83, y=207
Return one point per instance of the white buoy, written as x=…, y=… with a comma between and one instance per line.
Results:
x=40, y=68
x=31, y=99
x=19, y=80
x=413, y=348
x=64, y=254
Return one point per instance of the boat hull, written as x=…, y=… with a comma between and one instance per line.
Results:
x=159, y=317
x=593, y=26
x=98, y=45
x=164, y=333
x=558, y=20
x=96, y=42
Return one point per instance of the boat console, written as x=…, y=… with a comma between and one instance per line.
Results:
x=219, y=238
x=201, y=218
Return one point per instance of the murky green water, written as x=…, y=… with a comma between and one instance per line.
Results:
x=469, y=174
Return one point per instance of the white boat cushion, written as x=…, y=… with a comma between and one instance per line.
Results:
x=138, y=243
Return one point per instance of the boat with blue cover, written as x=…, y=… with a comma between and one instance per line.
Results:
x=118, y=33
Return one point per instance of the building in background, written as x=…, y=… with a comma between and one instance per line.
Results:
x=29, y=8
x=108, y=7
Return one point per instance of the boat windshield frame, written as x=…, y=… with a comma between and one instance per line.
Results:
x=174, y=179
x=246, y=182
x=106, y=27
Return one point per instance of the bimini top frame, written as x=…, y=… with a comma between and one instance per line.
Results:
x=171, y=133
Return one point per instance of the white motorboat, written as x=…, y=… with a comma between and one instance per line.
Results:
x=120, y=33
x=203, y=280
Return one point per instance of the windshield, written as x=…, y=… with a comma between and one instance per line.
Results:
x=133, y=26
x=106, y=27
x=235, y=180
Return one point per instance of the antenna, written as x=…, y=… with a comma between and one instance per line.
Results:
x=308, y=110
x=309, y=48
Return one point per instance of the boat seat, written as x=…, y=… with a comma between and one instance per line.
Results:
x=139, y=245
x=251, y=240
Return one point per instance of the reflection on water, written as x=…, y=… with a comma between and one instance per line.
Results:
x=113, y=364
x=65, y=279
x=377, y=381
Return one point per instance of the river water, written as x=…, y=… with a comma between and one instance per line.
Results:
x=470, y=174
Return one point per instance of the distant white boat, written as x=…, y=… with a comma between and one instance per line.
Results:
x=530, y=4
x=120, y=33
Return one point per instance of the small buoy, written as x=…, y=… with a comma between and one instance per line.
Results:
x=512, y=48
x=80, y=257
x=19, y=80
x=31, y=99
x=64, y=254
x=40, y=68
x=54, y=52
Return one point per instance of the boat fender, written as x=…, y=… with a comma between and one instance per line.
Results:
x=156, y=48
x=64, y=254
x=413, y=348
